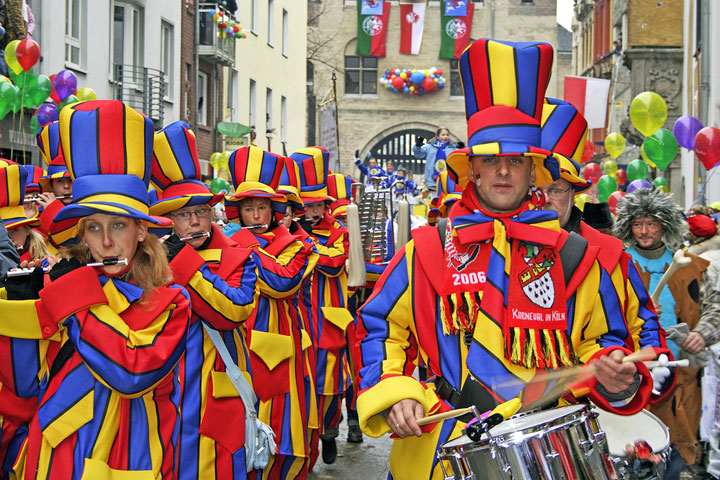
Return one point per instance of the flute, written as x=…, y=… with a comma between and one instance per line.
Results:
x=250, y=227
x=38, y=199
x=195, y=235
x=105, y=263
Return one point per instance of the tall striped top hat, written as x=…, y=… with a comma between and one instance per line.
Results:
x=108, y=150
x=48, y=141
x=175, y=171
x=504, y=85
x=448, y=192
x=290, y=185
x=12, y=192
x=313, y=165
x=339, y=187
x=257, y=173
x=35, y=173
x=564, y=131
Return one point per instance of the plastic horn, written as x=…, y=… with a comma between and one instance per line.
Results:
x=675, y=363
x=250, y=227
x=195, y=235
x=60, y=197
x=679, y=260
x=108, y=262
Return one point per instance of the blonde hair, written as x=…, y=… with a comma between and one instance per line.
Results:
x=38, y=249
x=149, y=267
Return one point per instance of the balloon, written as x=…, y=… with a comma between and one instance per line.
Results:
x=219, y=185
x=438, y=71
x=638, y=184
x=621, y=176
x=46, y=113
x=7, y=98
x=428, y=84
x=54, y=94
x=644, y=156
x=592, y=172
x=403, y=75
x=34, y=123
x=615, y=144
x=10, y=57
x=216, y=160
x=614, y=199
x=637, y=170
x=21, y=79
x=86, y=94
x=67, y=101
x=660, y=182
x=606, y=186
x=398, y=82
x=707, y=146
x=610, y=167
x=588, y=152
x=661, y=147
x=37, y=90
x=648, y=112
x=65, y=84
x=417, y=77
x=3, y=78
x=27, y=53
x=225, y=159
x=685, y=129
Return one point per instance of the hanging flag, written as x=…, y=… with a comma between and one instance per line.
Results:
x=455, y=8
x=590, y=97
x=455, y=30
x=372, y=7
x=372, y=30
x=412, y=20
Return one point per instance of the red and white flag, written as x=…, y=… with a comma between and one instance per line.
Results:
x=412, y=19
x=590, y=97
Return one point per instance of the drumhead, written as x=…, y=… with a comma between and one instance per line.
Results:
x=622, y=430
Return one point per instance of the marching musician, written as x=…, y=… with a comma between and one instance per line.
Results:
x=506, y=300
x=279, y=344
x=56, y=186
x=374, y=174
x=221, y=279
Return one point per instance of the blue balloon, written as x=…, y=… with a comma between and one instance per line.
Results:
x=441, y=85
x=228, y=29
x=387, y=72
x=406, y=89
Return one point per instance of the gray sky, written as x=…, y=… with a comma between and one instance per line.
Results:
x=565, y=13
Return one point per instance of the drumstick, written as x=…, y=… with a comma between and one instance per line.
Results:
x=438, y=417
x=679, y=260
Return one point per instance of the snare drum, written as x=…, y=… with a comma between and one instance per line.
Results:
x=622, y=430
x=563, y=443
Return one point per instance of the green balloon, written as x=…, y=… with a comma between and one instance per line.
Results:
x=661, y=147
x=637, y=170
x=7, y=98
x=70, y=99
x=37, y=90
x=17, y=101
x=21, y=78
x=218, y=185
x=606, y=186
x=660, y=182
x=34, y=124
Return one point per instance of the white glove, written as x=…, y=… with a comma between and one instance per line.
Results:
x=660, y=373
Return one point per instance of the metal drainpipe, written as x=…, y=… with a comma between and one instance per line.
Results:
x=196, y=65
x=492, y=19
x=705, y=52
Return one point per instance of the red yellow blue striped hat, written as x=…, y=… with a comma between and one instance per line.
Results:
x=108, y=150
x=339, y=187
x=50, y=145
x=256, y=173
x=12, y=193
x=175, y=171
x=313, y=165
x=504, y=85
x=564, y=131
x=448, y=193
x=35, y=173
x=232, y=211
x=290, y=185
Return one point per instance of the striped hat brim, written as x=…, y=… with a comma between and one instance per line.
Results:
x=14, y=217
x=44, y=182
x=167, y=205
x=292, y=196
x=339, y=211
x=568, y=172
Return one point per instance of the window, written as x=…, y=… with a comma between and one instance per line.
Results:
x=253, y=103
x=271, y=23
x=283, y=119
x=232, y=94
x=128, y=36
x=167, y=64
x=360, y=74
x=202, y=89
x=268, y=109
x=456, y=89
x=254, y=16
x=284, y=32
x=75, y=33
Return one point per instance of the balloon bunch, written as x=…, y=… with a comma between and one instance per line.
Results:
x=227, y=28
x=219, y=161
x=63, y=92
x=413, y=81
x=705, y=141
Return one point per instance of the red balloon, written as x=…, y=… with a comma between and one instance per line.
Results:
x=398, y=82
x=614, y=199
x=428, y=84
x=55, y=97
x=707, y=146
x=588, y=152
x=438, y=71
x=621, y=176
x=592, y=172
x=27, y=53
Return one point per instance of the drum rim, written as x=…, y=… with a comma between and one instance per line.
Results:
x=667, y=442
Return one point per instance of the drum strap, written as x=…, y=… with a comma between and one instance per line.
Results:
x=473, y=393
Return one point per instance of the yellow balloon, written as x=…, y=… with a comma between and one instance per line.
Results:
x=216, y=160
x=614, y=144
x=225, y=158
x=86, y=94
x=11, y=58
x=648, y=112
x=403, y=75
x=610, y=167
x=646, y=158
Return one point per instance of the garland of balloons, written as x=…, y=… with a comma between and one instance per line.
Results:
x=648, y=113
x=413, y=81
x=227, y=28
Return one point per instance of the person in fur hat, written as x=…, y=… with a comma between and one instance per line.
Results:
x=652, y=225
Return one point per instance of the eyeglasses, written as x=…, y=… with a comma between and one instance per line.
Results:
x=556, y=192
x=649, y=224
x=187, y=215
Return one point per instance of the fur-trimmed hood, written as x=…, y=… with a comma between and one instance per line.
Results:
x=650, y=203
x=712, y=243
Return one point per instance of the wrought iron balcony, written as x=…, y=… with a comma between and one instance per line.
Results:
x=210, y=45
x=142, y=89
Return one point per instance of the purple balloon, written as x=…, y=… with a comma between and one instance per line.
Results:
x=65, y=84
x=638, y=184
x=685, y=129
x=47, y=113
